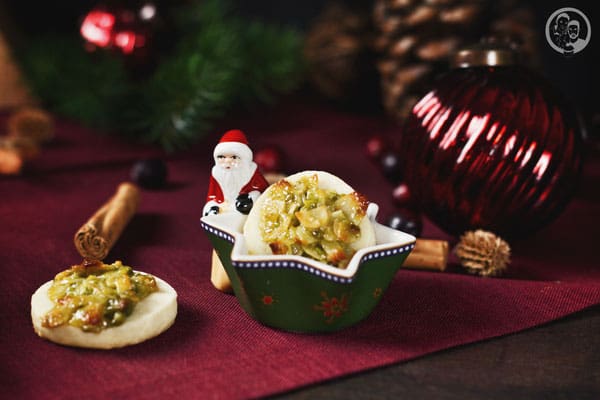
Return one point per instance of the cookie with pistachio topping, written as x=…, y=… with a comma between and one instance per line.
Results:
x=99, y=305
x=312, y=214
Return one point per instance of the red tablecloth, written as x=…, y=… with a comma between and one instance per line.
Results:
x=215, y=350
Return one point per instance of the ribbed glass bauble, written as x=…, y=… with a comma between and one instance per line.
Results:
x=492, y=146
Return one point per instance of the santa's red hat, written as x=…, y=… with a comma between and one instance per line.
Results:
x=234, y=142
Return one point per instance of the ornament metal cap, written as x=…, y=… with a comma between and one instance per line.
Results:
x=490, y=52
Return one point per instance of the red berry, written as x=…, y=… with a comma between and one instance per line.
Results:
x=376, y=145
x=401, y=196
x=269, y=159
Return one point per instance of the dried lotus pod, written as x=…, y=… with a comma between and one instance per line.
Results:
x=11, y=162
x=32, y=123
x=14, y=152
x=483, y=253
x=25, y=147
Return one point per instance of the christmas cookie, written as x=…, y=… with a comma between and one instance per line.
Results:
x=312, y=214
x=102, y=306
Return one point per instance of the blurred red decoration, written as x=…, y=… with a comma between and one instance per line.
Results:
x=269, y=159
x=401, y=196
x=97, y=27
x=376, y=146
x=492, y=147
x=124, y=26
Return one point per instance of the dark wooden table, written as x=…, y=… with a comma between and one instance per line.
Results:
x=560, y=360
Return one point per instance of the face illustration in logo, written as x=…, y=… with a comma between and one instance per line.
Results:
x=573, y=29
x=561, y=22
x=559, y=30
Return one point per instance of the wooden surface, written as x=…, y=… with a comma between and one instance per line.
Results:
x=560, y=360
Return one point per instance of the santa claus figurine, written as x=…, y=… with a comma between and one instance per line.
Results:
x=235, y=182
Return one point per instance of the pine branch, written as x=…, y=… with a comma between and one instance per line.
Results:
x=220, y=62
x=74, y=83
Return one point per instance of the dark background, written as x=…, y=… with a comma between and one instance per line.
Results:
x=558, y=361
x=574, y=75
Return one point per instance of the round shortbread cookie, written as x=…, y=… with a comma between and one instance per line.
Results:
x=150, y=317
x=254, y=240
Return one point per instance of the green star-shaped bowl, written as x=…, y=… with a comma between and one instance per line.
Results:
x=299, y=294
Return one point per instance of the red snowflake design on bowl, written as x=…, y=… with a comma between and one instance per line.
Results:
x=268, y=299
x=332, y=307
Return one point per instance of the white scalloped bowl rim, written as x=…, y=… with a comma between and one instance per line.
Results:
x=388, y=241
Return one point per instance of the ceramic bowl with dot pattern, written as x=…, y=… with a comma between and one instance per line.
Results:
x=299, y=294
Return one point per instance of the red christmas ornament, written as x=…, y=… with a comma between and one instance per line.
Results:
x=126, y=27
x=401, y=196
x=376, y=146
x=492, y=146
x=269, y=159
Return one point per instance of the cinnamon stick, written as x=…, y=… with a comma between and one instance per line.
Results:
x=98, y=235
x=429, y=254
x=218, y=275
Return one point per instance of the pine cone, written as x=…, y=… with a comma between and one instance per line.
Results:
x=483, y=253
x=416, y=37
x=338, y=51
x=515, y=25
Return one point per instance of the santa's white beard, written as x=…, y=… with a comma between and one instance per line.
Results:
x=234, y=179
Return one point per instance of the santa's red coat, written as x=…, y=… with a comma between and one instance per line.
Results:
x=257, y=182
